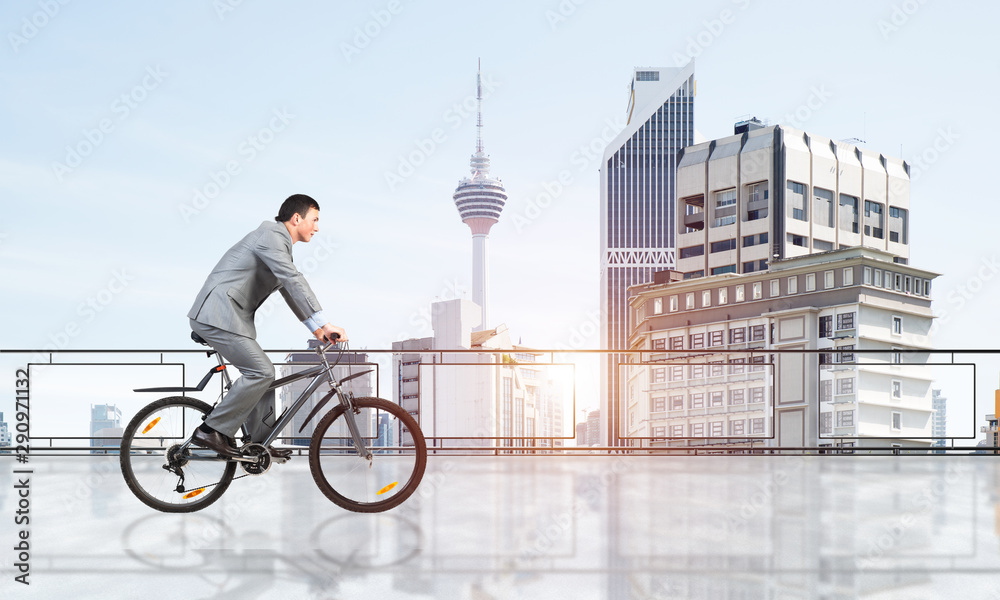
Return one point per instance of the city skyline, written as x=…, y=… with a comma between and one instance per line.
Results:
x=186, y=153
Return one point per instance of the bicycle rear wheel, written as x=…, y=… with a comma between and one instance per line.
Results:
x=154, y=466
x=350, y=480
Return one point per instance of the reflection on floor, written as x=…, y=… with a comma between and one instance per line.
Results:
x=530, y=527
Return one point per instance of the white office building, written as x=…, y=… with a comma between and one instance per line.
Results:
x=472, y=399
x=753, y=366
x=939, y=422
x=771, y=193
x=637, y=209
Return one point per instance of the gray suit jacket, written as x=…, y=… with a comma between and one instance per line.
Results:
x=246, y=275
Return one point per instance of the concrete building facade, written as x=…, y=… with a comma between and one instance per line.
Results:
x=776, y=192
x=728, y=385
x=470, y=399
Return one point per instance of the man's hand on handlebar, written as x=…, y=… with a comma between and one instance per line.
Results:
x=330, y=333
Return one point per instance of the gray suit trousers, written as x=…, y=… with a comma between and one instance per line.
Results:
x=248, y=401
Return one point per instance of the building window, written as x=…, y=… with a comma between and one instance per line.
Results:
x=874, y=225
x=715, y=369
x=877, y=279
x=693, y=251
x=754, y=240
x=756, y=364
x=793, y=285
x=810, y=282
x=845, y=321
x=849, y=276
x=757, y=426
x=647, y=75
x=697, y=400
x=736, y=366
x=715, y=398
x=737, y=335
x=706, y=298
x=798, y=240
x=757, y=290
x=660, y=344
x=723, y=295
x=845, y=418
x=697, y=430
x=715, y=338
x=775, y=288
x=658, y=306
x=898, y=281
x=756, y=395
x=697, y=341
x=825, y=390
x=724, y=269
x=659, y=432
x=825, y=422
x=736, y=427
x=659, y=375
x=845, y=386
x=737, y=397
x=846, y=357
x=897, y=325
x=907, y=286
x=848, y=213
x=897, y=420
x=756, y=201
x=826, y=326
x=658, y=404
x=673, y=304
x=897, y=225
x=677, y=403
x=723, y=245
x=897, y=389
x=676, y=373
x=754, y=266
x=822, y=207
x=677, y=342
x=757, y=333
x=689, y=301
x=725, y=208
x=797, y=201
x=676, y=431
x=867, y=275
x=697, y=371
x=717, y=429
x=739, y=293
x=827, y=280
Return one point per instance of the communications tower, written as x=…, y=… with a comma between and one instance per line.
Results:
x=479, y=200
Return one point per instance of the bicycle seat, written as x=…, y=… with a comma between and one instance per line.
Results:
x=198, y=338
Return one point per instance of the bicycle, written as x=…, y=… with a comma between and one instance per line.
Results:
x=166, y=472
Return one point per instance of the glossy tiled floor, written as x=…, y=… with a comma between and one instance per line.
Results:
x=530, y=527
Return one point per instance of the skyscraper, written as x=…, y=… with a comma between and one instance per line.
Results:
x=479, y=200
x=637, y=209
x=105, y=427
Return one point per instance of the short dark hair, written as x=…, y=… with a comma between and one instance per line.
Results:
x=295, y=204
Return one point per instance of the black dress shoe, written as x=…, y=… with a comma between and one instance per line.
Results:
x=215, y=441
x=280, y=453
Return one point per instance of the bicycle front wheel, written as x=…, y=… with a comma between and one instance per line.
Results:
x=158, y=472
x=354, y=482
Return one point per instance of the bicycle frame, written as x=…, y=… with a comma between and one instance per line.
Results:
x=321, y=373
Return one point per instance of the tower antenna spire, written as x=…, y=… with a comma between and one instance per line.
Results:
x=479, y=107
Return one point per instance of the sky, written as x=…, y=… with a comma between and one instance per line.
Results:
x=141, y=140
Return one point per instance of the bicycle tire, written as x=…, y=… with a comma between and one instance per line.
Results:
x=347, y=479
x=168, y=422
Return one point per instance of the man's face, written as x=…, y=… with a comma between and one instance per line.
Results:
x=307, y=226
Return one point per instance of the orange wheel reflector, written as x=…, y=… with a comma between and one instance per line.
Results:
x=151, y=425
x=387, y=488
x=193, y=493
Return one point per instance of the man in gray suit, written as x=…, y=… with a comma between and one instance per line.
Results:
x=223, y=314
